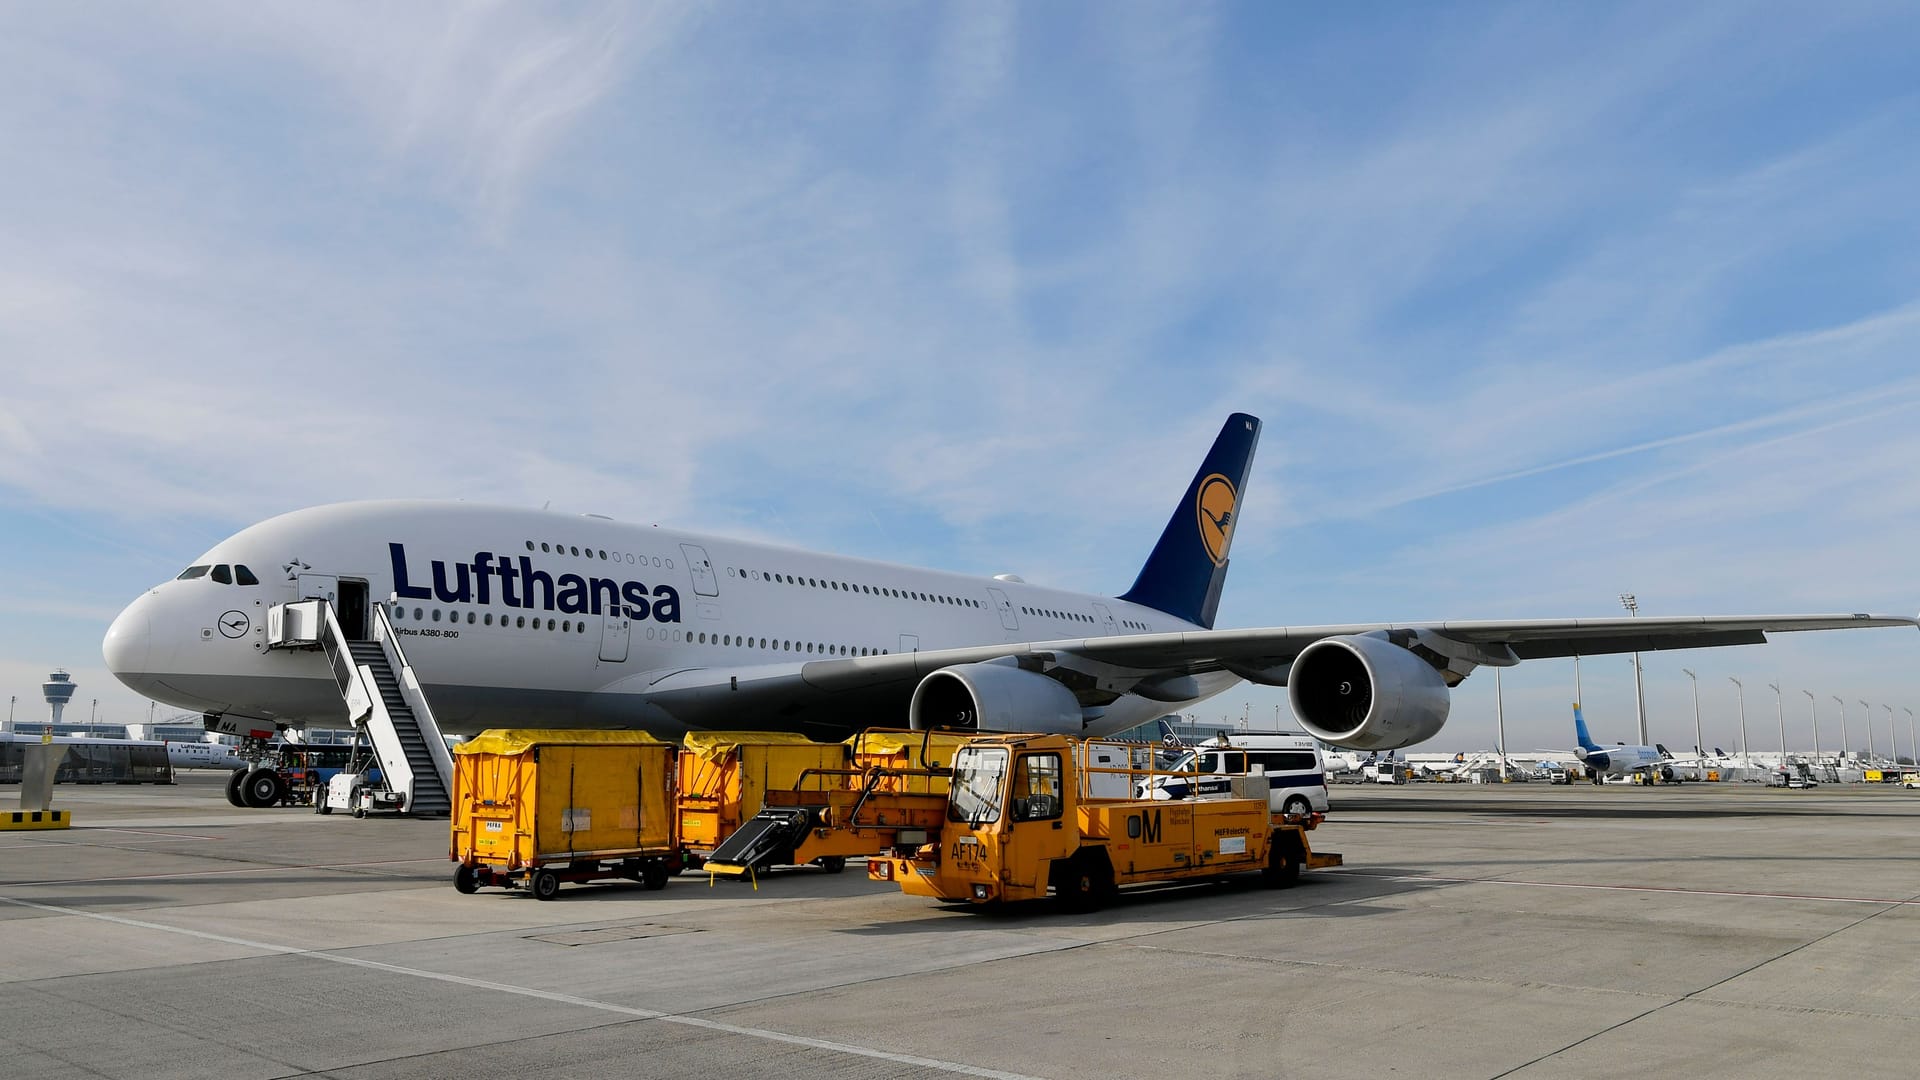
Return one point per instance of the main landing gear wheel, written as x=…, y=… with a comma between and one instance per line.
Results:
x=545, y=883
x=233, y=787
x=465, y=880
x=262, y=788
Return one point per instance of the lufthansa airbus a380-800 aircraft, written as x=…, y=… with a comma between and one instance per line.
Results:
x=533, y=619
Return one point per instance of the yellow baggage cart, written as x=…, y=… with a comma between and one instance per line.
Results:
x=536, y=808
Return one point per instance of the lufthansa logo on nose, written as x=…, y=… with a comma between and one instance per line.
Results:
x=1214, y=507
x=234, y=624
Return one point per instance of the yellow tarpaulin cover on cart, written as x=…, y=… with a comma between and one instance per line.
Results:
x=940, y=744
x=510, y=741
x=714, y=745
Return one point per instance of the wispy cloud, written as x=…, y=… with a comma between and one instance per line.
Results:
x=1531, y=303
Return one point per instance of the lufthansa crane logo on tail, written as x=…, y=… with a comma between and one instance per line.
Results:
x=1215, y=506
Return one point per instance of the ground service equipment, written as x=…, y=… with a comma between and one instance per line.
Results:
x=1026, y=816
x=542, y=807
x=723, y=778
x=834, y=815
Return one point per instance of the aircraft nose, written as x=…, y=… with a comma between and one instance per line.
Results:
x=128, y=642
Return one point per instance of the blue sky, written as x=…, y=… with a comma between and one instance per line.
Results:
x=1538, y=305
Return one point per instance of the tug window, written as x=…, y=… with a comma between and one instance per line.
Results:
x=1036, y=787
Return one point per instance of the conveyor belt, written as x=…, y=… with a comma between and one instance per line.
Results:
x=767, y=838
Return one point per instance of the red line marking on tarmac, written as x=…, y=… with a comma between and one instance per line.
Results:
x=1646, y=889
x=222, y=873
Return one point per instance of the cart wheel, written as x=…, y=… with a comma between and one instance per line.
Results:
x=832, y=864
x=653, y=875
x=320, y=804
x=359, y=811
x=546, y=884
x=465, y=880
x=1283, y=861
x=1083, y=883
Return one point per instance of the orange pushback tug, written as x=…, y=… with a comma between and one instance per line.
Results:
x=1032, y=814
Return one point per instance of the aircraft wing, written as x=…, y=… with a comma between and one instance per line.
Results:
x=1266, y=651
x=1144, y=663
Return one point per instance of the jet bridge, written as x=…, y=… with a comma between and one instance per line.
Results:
x=383, y=699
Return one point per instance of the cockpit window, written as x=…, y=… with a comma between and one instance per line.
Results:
x=244, y=576
x=192, y=572
x=222, y=574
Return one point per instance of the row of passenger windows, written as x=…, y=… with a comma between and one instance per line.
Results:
x=222, y=573
x=571, y=626
x=1069, y=616
x=601, y=554
x=852, y=587
x=517, y=622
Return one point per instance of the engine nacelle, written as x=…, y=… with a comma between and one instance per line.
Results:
x=1365, y=693
x=993, y=696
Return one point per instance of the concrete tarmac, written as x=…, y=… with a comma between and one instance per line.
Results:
x=1476, y=931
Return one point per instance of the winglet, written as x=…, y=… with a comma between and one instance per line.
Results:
x=1184, y=574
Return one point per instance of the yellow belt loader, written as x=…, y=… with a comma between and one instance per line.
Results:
x=855, y=812
x=1033, y=815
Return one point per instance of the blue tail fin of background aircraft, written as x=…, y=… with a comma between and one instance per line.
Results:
x=1169, y=736
x=1188, y=567
x=1580, y=730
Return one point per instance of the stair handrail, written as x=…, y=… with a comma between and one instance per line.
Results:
x=415, y=697
x=395, y=772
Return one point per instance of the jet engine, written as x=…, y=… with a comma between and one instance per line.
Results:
x=993, y=696
x=1366, y=693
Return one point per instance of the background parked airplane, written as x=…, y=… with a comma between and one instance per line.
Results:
x=1620, y=759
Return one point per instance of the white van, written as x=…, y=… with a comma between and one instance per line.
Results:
x=1297, y=781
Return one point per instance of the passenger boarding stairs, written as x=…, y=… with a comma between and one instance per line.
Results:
x=383, y=697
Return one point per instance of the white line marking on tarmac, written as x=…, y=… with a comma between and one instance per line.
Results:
x=156, y=832
x=1635, y=888
x=543, y=995
x=216, y=873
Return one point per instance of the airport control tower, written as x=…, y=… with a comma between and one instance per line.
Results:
x=59, y=689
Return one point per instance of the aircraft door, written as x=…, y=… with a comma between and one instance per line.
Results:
x=320, y=587
x=1005, y=607
x=351, y=608
x=1107, y=620
x=615, y=630
x=704, y=581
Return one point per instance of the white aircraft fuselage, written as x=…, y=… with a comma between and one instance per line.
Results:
x=528, y=618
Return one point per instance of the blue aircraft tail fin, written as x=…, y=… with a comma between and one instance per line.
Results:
x=1580, y=730
x=1169, y=736
x=1184, y=574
